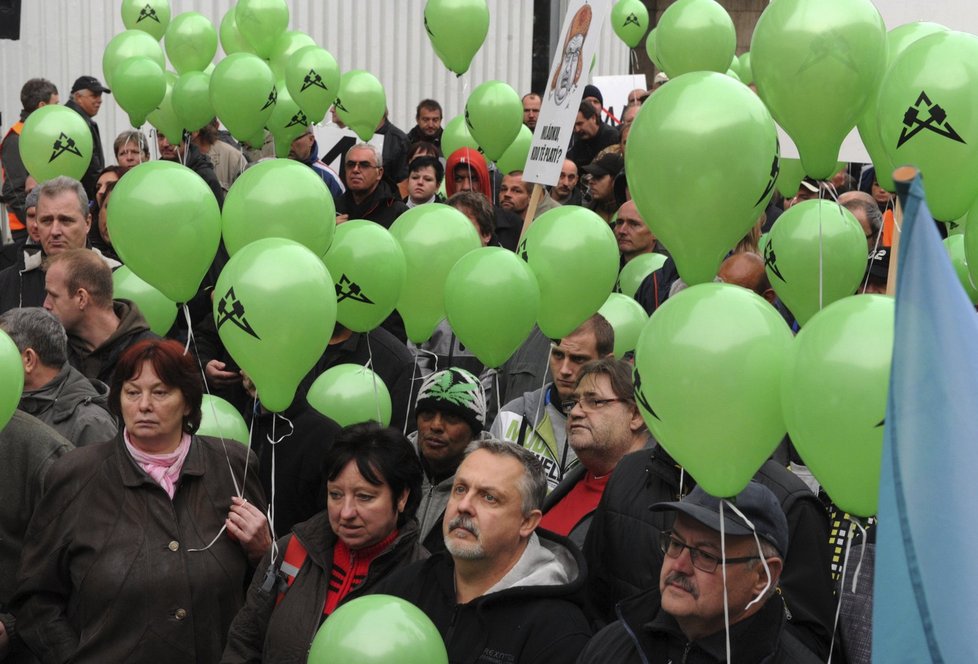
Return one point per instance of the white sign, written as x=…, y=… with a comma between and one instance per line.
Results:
x=333, y=143
x=614, y=92
x=565, y=88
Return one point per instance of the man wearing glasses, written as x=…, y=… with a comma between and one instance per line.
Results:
x=683, y=619
x=368, y=195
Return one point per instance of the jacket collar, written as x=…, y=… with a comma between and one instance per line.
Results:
x=134, y=476
x=318, y=538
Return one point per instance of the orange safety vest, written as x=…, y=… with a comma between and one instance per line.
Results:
x=12, y=219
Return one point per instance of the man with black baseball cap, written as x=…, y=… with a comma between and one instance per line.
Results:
x=600, y=182
x=683, y=620
x=86, y=100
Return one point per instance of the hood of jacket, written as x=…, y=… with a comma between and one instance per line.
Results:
x=476, y=162
x=319, y=539
x=62, y=396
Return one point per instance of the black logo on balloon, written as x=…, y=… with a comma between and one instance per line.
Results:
x=349, y=290
x=881, y=423
x=467, y=120
x=298, y=119
x=62, y=144
x=339, y=105
x=771, y=261
x=312, y=79
x=925, y=114
x=427, y=27
x=631, y=19
x=272, y=98
x=641, y=398
x=147, y=12
x=775, y=170
x=521, y=250
x=231, y=310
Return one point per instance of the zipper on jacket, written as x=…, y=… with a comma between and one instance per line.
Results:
x=686, y=649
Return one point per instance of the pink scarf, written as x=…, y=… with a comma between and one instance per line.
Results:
x=163, y=468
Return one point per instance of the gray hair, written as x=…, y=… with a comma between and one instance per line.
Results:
x=37, y=328
x=378, y=159
x=31, y=199
x=859, y=200
x=533, y=484
x=60, y=185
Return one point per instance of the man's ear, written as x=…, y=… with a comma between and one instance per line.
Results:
x=83, y=297
x=30, y=360
x=775, y=565
x=530, y=522
x=636, y=423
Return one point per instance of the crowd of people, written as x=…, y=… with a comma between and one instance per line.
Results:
x=512, y=506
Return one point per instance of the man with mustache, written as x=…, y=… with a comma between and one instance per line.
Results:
x=683, y=619
x=504, y=591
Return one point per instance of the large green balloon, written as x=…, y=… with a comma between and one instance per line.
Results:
x=150, y=16
x=231, y=39
x=261, y=22
x=433, y=237
x=815, y=255
x=313, y=79
x=130, y=44
x=514, y=159
x=494, y=115
x=191, y=42
x=11, y=378
x=928, y=117
x=287, y=121
x=955, y=251
x=140, y=86
x=378, y=629
x=456, y=135
x=816, y=65
x=630, y=20
x=243, y=94
x=158, y=310
x=191, y=99
x=287, y=45
x=457, y=29
x=715, y=348
x=368, y=267
x=54, y=141
x=574, y=255
x=833, y=394
x=279, y=198
x=350, y=394
x=220, y=419
x=491, y=299
x=716, y=161
x=650, y=49
x=695, y=35
x=166, y=226
x=636, y=270
x=275, y=309
x=627, y=318
x=361, y=102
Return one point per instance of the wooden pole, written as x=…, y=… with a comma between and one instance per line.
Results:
x=901, y=176
x=539, y=191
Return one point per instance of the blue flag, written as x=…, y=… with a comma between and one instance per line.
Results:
x=926, y=576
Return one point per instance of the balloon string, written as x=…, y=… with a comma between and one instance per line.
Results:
x=495, y=378
x=682, y=480
x=414, y=373
x=842, y=590
x=543, y=396
x=862, y=553
x=370, y=365
x=723, y=570
x=760, y=554
x=821, y=265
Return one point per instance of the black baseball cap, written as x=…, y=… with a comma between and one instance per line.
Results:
x=89, y=83
x=610, y=163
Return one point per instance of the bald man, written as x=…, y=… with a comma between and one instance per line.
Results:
x=746, y=269
x=633, y=236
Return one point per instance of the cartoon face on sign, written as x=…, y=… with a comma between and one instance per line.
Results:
x=568, y=72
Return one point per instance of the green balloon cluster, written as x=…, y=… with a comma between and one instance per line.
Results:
x=494, y=115
x=54, y=141
x=457, y=29
x=130, y=44
x=627, y=318
x=287, y=122
x=313, y=79
x=164, y=117
x=695, y=35
x=456, y=135
x=630, y=21
x=220, y=419
x=231, y=39
x=350, y=394
x=514, y=158
x=140, y=86
x=261, y=22
x=158, y=310
x=150, y=16
x=11, y=378
x=834, y=390
x=288, y=44
x=243, y=95
x=721, y=348
x=636, y=270
x=361, y=102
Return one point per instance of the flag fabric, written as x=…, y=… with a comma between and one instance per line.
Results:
x=926, y=576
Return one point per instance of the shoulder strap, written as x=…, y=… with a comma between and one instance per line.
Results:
x=295, y=556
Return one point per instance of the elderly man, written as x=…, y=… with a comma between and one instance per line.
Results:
x=502, y=592
x=86, y=100
x=566, y=191
x=54, y=391
x=368, y=195
x=633, y=235
x=864, y=208
x=683, y=619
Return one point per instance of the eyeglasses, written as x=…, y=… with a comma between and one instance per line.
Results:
x=706, y=562
x=362, y=165
x=587, y=403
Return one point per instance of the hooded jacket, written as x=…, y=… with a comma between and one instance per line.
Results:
x=98, y=363
x=476, y=163
x=530, y=616
x=74, y=406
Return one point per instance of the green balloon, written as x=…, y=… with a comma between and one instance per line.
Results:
x=378, y=629
x=164, y=117
x=231, y=39
x=650, y=49
x=280, y=198
x=369, y=269
x=817, y=70
x=191, y=99
x=191, y=42
x=275, y=309
x=491, y=299
x=574, y=255
x=351, y=394
x=243, y=94
x=457, y=29
x=936, y=74
x=130, y=44
x=361, y=102
x=287, y=44
x=494, y=115
x=261, y=22
x=630, y=20
x=11, y=378
x=140, y=86
x=54, y=141
x=456, y=136
x=636, y=270
x=746, y=72
x=150, y=16
x=433, y=237
x=220, y=419
x=812, y=242
x=514, y=158
x=158, y=310
x=790, y=177
x=627, y=318
x=708, y=124
x=287, y=121
x=721, y=347
x=313, y=79
x=833, y=394
x=695, y=35
x=165, y=224
x=955, y=251
x=971, y=240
